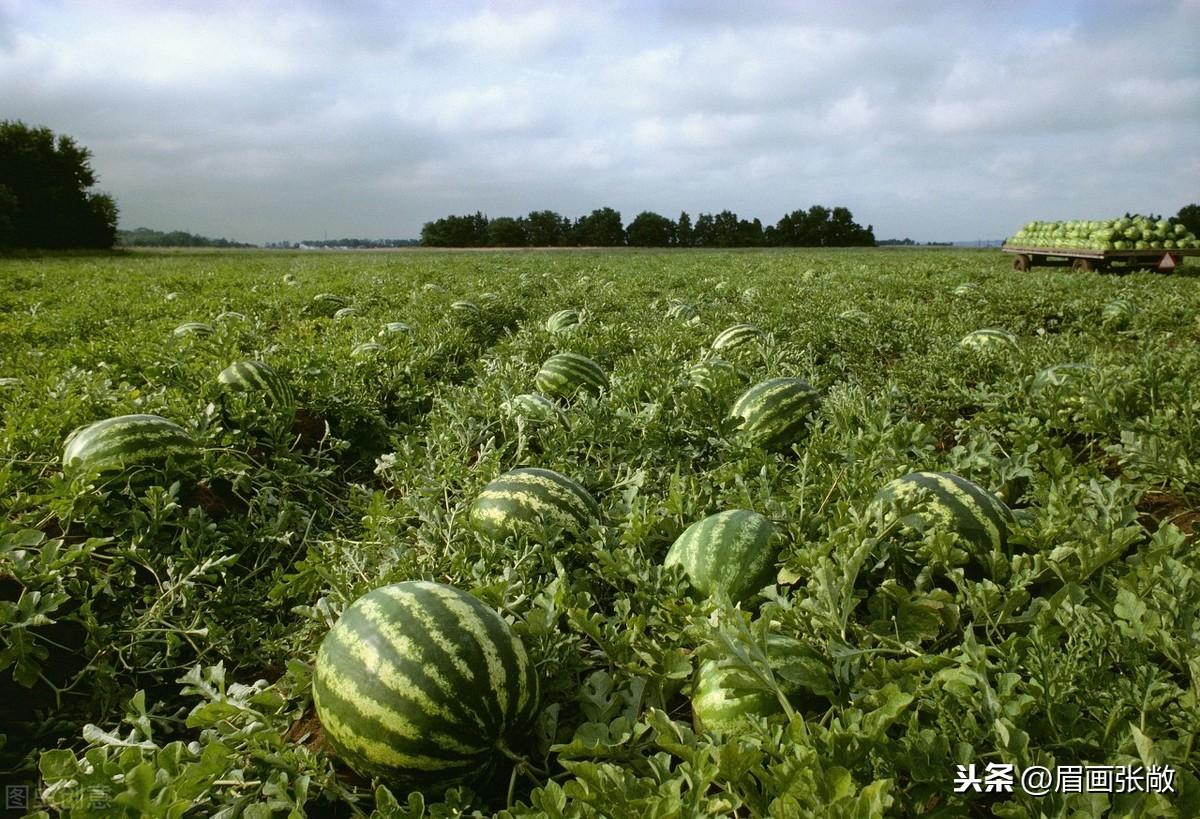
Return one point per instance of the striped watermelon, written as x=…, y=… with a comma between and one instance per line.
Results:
x=9, y=381
x=193, y=328
x=565, y=374
x=529, y=498
x=750, y=295
x=367, y=348
x=231, y=315
x=966, y=289
x=1117, y=314
x=682, y=311
x=127, y=440
x=257, y=377
x=775, y=412
x=418, y=682
x=290, y=279
x=326, y=304
x=855, y=316
x=940, y=499
x=731, y=554
x=709, y=375
x=465, y=308
x=564, y=320
x=431, y=287
x=721, y=705
x=989, y=338
x=532, y=408
x=736, y=336
x=345, y=312
x=394, y=327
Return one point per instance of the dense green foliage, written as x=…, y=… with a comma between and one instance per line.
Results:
x=817, y=227
x=159, y=624
x=45, y=201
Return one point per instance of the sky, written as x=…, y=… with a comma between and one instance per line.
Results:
x=273, y=121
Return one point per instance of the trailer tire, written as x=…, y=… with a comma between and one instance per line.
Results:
x=1082, y=265
x=1021, y=263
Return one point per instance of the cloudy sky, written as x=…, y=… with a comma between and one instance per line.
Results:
x=263, y=121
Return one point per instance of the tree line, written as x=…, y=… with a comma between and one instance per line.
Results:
x=45, y=201
x=818, y=226
x=145, y=237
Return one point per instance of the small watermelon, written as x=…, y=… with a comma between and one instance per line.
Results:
x=532, y=408
x=564, y=320
x=723, y=703
x=736, y=336
x=258, y=378
x=345, y=312
x=683, y=311
x=988, y=339
x=193, y=328
x=529, y=499
x=774, y=412
x=421, y=683
x=393, y=328
x=327, y=304
x=709, y=375
x=366, y=349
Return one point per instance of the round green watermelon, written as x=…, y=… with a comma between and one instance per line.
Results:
x=721, y=701
x=125, y=441
x=529, y=499
x=943, y=500
x=563, y=320
x=532, y=408
x=989, y=338
x=258, y=378
x=731, y=554
x=775, y=412
x=565, y=374
x=419, y=682
x=736, y=336
x=708, y=375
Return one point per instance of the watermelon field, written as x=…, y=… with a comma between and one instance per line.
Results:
x=794, y=533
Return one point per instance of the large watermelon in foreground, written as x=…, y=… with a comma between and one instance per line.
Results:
x=940, y=499
x=775, y=412
x=127, y=440
x=530, y=499
x=731, y=553
x=419, y=682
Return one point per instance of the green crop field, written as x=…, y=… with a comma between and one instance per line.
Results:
x=850, y=643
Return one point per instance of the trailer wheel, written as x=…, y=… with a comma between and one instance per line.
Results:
x=1082, y=265
x=1021, y=262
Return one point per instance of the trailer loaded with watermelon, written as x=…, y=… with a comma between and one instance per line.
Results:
x=1127, y=243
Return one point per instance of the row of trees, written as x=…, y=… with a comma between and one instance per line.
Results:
x=818, y=226
x=145, y=237
x=45, y=201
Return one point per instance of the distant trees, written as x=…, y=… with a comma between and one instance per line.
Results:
x=650, y=229
x=145, y=237
x=45, y=200
x=819, y=226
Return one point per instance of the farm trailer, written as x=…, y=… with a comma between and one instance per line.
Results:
x=1084, y=259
